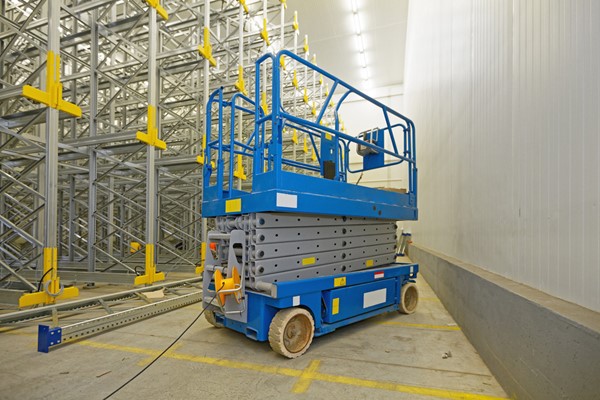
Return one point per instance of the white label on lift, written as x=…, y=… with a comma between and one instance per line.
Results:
x=373, y=298
x=287, y=200
x=411, y=270
x=296, y=301
x=379, y=275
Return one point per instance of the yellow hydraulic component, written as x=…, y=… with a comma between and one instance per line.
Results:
x=241, y=84
x=150, y=274
x=305, y=47
x=284, y=2
x=159, y=9
x=263, y=103
x=305, y=149
x=282, y=62
x=295, y=23
x=206, y=50
x=295, y=80
x=295, y=136
x=52, y=290
x=200, y=268
x=52, y=97
x=134, y=247
x=264, y=34
x=239, y=170
x=243, y=3
x=305, y=97
x=313, y=111
x=151, y=137
x=230, y=283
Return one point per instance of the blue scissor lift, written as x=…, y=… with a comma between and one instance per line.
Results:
x=302, y=252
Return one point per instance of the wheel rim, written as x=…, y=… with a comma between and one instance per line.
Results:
x=297, y=333
x=411, y=297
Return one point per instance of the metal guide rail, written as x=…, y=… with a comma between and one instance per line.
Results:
x=117, y=309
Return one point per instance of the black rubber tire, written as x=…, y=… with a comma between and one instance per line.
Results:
x=291, y=332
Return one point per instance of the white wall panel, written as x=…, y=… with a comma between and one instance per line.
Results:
x=506, y=101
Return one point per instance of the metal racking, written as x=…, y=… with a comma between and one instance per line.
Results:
x=101, y=132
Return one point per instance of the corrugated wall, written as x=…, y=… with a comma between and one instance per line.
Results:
x=505, y=98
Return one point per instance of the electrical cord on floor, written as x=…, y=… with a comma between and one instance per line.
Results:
x=165, y=350
x=359, y=178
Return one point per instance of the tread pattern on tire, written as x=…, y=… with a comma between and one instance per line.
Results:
x=277, y=329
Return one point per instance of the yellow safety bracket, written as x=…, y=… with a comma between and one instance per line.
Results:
x=295, y=23
x=134, y=247
x=305, y=47
x=326, y=89
x=243, y=3
x=264, y=34
x=331, y=103
x=200, y=268
x=52, y=97
x=295, y=136
x=305, y=97
x=263, y=103
x=343, y=127
x=241, y=84
x=159, y=9
x=200, y=158
x=305, y=149
x=151, y=137
x=313, y=111
x=284, y=2
x=282, y=63
x=313, y=155
x=321, y=80
x=52, y=289
x=295, y=80
x=239, y=170
x=314, y=59
x=206, y=49
x=150, y=274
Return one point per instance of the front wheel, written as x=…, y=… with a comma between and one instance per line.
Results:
x=291, y=332
x=210, y=317
x=409, y=298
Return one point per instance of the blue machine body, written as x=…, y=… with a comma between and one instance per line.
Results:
x=277, y=186
x=364, y=294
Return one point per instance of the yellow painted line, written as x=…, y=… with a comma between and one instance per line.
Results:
x=423, y=326
x=307, y=376
x=148, y=360
x=396, y=387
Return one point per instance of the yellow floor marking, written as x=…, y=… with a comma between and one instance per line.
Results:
x=309, y=372
x=307, y=376
x=145, y=361
x=424, y=326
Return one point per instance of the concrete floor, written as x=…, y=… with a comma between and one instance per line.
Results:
x=391, y=356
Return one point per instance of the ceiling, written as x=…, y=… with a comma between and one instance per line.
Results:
x=330, y=28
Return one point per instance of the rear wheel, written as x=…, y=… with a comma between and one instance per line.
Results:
x=291, y=332
x=409, y=298
x=210, y=317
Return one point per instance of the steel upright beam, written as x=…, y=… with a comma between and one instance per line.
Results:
x=150, y=274
x=52, y=288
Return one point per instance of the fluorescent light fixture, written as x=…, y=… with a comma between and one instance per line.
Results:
x=363, y=60
x=357, y=24
x=354, y=7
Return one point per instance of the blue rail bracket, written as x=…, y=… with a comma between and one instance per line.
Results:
x=48, y=337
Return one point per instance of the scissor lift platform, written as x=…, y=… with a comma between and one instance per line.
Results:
x=300, y=252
